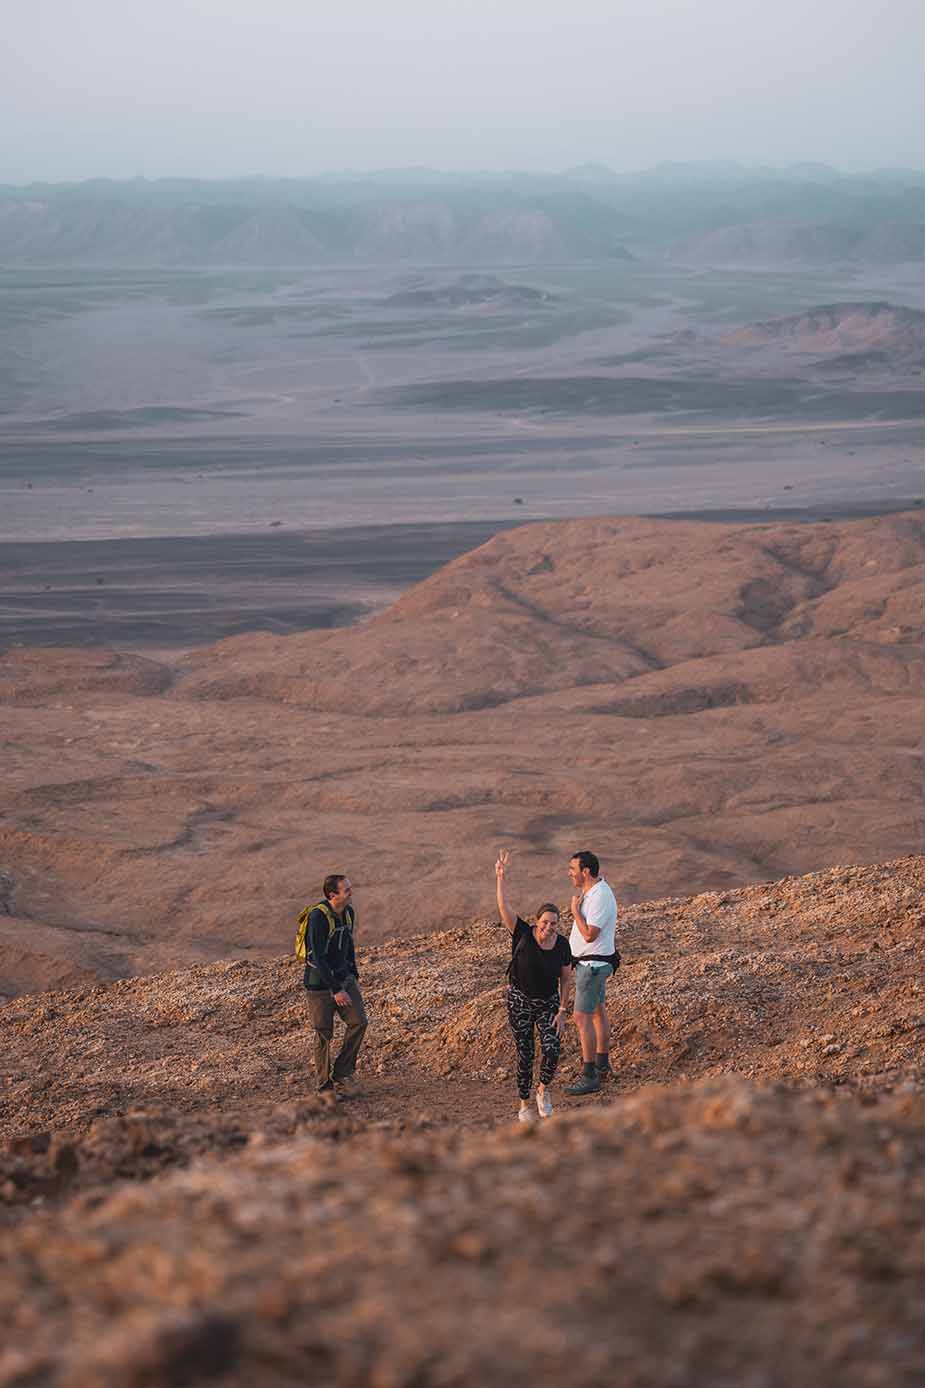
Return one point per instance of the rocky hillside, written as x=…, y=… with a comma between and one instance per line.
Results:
x=612, y=604
x=846, y=332
x=745, y=1204
x=705, y=705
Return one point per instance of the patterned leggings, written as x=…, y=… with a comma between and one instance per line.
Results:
x=523, y=1014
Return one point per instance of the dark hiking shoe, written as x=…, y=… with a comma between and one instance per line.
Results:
x=604, y=1072
x=585, y=1084
x=349, y=1087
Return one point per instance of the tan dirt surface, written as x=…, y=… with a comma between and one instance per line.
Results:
x=744, y=1204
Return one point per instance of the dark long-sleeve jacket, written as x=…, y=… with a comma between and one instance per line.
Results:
x=331, y=958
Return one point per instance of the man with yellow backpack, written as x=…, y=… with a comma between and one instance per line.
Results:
x=325, y=941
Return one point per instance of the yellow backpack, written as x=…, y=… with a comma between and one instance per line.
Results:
x=301, y=946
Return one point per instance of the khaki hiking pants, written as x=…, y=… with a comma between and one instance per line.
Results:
x=321, y=1007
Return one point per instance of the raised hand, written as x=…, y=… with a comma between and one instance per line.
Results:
x=501, y=864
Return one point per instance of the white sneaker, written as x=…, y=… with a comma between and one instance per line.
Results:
x=543, y=1104
x=524, y=1115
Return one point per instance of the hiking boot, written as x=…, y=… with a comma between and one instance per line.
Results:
x=327, y=1095
x=349, y=1087
x=524, y=1115
x=543, y=1104
x=604, y=1072
x=585, y=1084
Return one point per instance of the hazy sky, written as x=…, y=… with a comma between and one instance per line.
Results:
x=223, y=87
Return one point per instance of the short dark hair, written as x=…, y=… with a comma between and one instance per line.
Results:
x=548, y=906
x=587, y=859
x=331, y=884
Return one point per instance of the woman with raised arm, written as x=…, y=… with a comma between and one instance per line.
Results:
x=539, y=989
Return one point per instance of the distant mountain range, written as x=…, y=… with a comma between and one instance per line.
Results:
x=414, y=217
x=702, y=214
x=804, y=243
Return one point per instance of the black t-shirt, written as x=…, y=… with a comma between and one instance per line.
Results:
x=534, y=970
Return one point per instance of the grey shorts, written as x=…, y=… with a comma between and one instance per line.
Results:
x=590, y=983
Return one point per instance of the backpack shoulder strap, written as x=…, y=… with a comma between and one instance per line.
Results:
x=326, y=911
x=301, y=939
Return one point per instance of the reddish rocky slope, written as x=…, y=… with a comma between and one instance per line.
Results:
x=758, y=1219
x=705, y=705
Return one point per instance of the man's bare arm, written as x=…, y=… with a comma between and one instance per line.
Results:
x=505, y=912
x=587, y=932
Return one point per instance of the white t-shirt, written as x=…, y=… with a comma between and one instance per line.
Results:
x=599, y=907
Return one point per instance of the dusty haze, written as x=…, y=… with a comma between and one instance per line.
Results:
x=221, y=87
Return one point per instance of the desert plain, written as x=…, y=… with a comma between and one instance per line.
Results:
x=377, y=569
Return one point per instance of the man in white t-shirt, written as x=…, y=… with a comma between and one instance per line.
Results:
x=593, y=943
